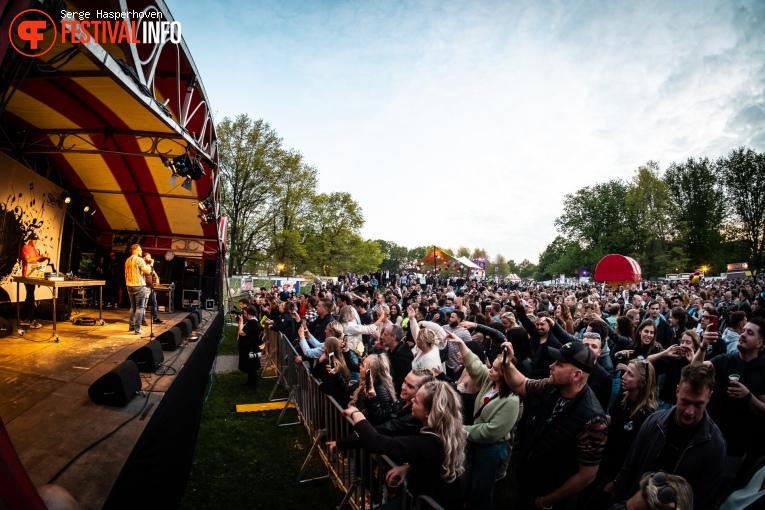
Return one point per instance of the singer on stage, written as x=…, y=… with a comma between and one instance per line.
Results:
x=135, y=280
x=30, y=255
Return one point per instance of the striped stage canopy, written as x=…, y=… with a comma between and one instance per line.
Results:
x=104, y=119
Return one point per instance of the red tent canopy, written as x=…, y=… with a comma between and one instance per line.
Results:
x=618, y=268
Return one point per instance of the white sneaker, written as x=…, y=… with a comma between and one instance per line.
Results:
x=140, y=332
x=35, y=325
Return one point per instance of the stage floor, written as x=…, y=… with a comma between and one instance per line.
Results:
x=48, y=414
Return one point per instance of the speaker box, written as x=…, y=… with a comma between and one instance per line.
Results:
x=117, y=387
x=194, y=320
x=148, y=357
x=186, y=327
x=208, y=288
x=192, y=279
x=170, y=339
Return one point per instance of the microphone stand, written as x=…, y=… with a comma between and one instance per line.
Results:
x=151, y=324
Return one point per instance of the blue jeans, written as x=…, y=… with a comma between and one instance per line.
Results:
x=481, y=463
x=152, y=304
x=137, y=297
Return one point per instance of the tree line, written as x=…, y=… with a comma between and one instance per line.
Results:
x=698, y=214
x=277, y=220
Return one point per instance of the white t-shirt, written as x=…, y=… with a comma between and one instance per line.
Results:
x=431, y=359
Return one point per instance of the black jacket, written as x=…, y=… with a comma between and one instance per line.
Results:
x=378, y=409
x=318, y=327
x=664, y=333
x=400, y=360
x=541, y=359
x=424, y=452
x=700, y=464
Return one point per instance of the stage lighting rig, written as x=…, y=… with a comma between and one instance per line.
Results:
x=206, y=205
x=185, y=166
x=207, y=218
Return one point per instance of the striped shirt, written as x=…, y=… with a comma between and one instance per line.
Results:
x=134, y=275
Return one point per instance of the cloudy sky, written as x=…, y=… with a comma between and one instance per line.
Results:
x=466, y=122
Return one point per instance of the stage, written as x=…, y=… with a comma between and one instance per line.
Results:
x=145, y=447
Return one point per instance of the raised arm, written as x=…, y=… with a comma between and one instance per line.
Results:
x=514, y=379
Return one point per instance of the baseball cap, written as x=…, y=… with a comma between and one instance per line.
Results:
x=575, y=353
x=34, y=237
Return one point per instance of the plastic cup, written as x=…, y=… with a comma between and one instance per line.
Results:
x=734, y=377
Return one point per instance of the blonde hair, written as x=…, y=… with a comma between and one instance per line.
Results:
x=337, y=329
x=346, y=314
x=332, y=344
x=427, y=336
x=683, y=490
x=379, y=367
x=445, y=420
x=647, y=394
x=511, y=317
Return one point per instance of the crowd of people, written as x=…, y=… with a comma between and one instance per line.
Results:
x=650, y=396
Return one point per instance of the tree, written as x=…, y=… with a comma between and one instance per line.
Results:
x=249, y=151
x=290, y=204
x=743, y=176
x=526, y=269
x=596, y=217
x=463, y=251
x=331, y=232
x=498, y=267
x=649, y=212
x=699, y=209
x=395, y=257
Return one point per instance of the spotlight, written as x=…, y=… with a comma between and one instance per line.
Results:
x=207, y=204
x=186, y=166
x=86, y=208
x=187, y=184
x=207, y=218
x=66, y=197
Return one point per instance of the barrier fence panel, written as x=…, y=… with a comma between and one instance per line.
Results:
x=271, y=341
x=359, y=473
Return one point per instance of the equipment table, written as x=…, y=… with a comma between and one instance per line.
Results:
x=55, y=285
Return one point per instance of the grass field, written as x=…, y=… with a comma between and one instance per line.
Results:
x=247, y=461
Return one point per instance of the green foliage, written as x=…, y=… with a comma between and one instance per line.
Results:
x=595, y=216
x=395, y=257
x=275, y=215
x=743, y=175
x=479, y=252
x=249, y=152
x=699, y=205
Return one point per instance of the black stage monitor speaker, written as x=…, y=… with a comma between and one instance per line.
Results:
x=148, y=357
x=117, y=387
x=170, y=339
x=194, y=318
x=185, y=327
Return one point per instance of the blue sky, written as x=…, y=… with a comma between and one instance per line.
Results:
x=466, y=122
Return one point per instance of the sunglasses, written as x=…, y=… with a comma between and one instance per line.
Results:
x=667, y=494
x=645, y=364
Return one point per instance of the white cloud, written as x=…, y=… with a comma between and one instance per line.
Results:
x=465, y=123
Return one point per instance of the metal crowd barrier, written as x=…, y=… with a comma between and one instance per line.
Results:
x=358, y=473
